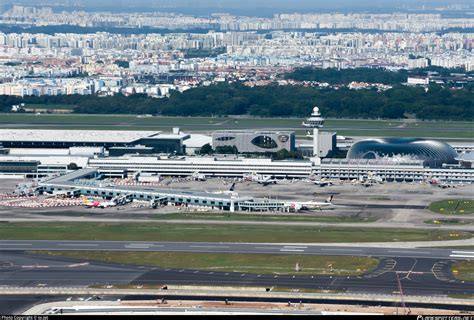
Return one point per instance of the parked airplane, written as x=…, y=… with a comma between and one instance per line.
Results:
x=322, y=183
x=260, y=179
x=196, y=176
x=93, y=203
x=367, y=182
x=311, y=205
x=230, y=192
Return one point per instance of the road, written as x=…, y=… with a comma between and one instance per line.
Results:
x=230, y=247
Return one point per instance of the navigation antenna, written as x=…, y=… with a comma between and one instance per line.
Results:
x=405, y=312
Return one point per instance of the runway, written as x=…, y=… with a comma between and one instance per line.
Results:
x=425, y=276
x=223, y=247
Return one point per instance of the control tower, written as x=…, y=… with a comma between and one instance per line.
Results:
x=315, y=122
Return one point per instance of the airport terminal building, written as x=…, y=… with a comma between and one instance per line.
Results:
x=230, y=166
x=121, y=153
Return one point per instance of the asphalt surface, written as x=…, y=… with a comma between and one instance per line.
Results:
x=424, y=276
x=16, y=304
x=224, y=247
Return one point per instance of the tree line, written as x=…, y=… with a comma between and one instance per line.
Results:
x=371, y=75
x=435, y=103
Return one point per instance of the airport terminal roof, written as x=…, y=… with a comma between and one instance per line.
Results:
x=434, y=153
x=119, y=136
x=466, y=157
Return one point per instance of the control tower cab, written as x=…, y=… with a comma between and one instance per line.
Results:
x=315, y=121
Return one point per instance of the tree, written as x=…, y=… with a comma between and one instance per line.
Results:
x=72, y=166
x=122, y=63
x=227, y=150
x=283, y=154
x=206, y=149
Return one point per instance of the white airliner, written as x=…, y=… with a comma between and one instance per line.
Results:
x=230, y=192
x=312, y=205
x=93, y=203
x=322, y=183
x=196, y=176
x=261, y=179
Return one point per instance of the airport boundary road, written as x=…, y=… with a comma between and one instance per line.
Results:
x=223, y=247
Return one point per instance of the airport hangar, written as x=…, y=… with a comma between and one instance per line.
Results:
x=115, y=142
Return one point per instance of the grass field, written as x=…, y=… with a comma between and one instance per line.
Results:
x=349, y=127
x=447, y=221
x=428, y=133
x=453, y=207
x=230, y=262
x=258, y=217
x=214, y=233
x=463, y=270
x=440, y=124
x=205, y=122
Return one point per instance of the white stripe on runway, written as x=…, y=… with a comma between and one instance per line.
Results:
x=401, y=251
x=468, y=252
x=16, y=244
x=291, y=250
x=208, y=247
x=460, y=256
x=79, y=244
x=271, y=248
x=341, y=250
x=143, y=245
x=294, y=247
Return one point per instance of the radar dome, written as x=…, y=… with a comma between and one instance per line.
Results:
x=316, y=110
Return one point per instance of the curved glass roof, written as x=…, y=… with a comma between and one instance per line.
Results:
x=433, y=152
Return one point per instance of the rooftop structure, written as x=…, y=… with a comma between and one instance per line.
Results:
x=104, y=136
x=158, y=141
x=466, y=159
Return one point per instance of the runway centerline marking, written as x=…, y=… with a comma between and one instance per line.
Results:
x=222, y=247
x=16, y=244
x=78, y=244
x=142, y=245
x=291, y=250
x=468, y=252
x=270, y=248
x=295, y=247
x=341, y=250
x=401, y=251
x=461, y=256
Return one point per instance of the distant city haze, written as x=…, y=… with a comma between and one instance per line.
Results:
x=253, y=7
